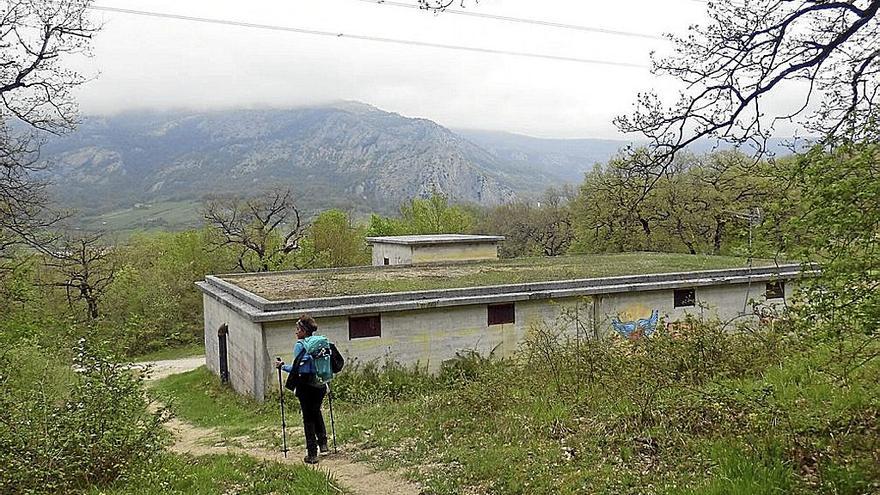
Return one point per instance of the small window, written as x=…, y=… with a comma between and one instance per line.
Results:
x=499, y=314
x=775, y=290
x=386, y=261
x=684, y=298
x=360, y=327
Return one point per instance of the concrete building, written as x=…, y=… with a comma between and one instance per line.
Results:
x=409, y=249
x=249, y=318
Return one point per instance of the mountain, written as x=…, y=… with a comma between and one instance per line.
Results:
x=348, y=154
x=567, y=159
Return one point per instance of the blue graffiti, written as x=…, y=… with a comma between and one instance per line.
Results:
x=635, y=329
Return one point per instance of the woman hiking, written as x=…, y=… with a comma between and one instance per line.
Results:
x=308, y=391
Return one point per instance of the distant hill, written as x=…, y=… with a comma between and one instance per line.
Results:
x=566, y=158
x=153, y=168
x=350, y=155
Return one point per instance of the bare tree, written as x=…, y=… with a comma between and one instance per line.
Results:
x=263, y=230
x=86, y=268
x=754, y=49
x=36, y=36
x=440, y=5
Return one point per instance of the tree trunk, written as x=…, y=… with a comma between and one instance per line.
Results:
x=716, y=238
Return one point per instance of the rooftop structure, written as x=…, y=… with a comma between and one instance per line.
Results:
x=426, y=313
x=306, y=284
x=408, y=249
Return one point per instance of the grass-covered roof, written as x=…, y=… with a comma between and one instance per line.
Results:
x=372, y=280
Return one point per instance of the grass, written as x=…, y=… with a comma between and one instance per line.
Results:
x=161, y=216
x=367, y=280
x=726, y=414
x=198, y=397
x=192, y=350
x=213, y=474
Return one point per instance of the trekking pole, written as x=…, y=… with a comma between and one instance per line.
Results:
x=332, y=422
x=283, y=422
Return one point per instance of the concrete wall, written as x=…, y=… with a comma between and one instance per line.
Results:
x=724, y=302
x=430, y=336
x=427, y=337
x=455, y=252
x=397, y=254
x=245, y=348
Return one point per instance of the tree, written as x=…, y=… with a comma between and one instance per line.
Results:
x=838, y=226
x=697, y=204
x=336, y=241
x=611, y=212
x=529, y=228
x=433, y=215
x=86, y=268
x=36, y=36
x=750, y=51
x=263, y=230
x=440, y=5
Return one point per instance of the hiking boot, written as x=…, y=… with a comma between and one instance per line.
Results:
x=310, y=459
x=324, y=448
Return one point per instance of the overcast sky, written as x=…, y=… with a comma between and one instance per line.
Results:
x=157, y=63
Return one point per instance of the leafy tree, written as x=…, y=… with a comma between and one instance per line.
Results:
x=336, y=241
x=153, y=301
x=838, y=226
x=606, y=215
x=381, y=226
x=433, y=215
x=541, y=228
x=698, y=205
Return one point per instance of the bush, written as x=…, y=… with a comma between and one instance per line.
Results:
x=370, y=382
x=66, y=429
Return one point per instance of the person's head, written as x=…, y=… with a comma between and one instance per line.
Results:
x=305, y=327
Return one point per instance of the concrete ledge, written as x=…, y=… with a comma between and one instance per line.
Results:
x=259, y=310
x=435, y=239
x=310, y=304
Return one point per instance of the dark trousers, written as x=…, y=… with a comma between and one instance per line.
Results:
x=310, y=399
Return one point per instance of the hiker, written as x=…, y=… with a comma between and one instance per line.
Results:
x=310, y=394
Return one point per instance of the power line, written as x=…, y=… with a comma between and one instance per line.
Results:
x=524, y=20
x=315, y=32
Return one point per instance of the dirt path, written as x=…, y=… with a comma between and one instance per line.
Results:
x=162, y=369
x=357, y=477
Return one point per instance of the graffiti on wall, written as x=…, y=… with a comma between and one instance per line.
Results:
x=642, y=327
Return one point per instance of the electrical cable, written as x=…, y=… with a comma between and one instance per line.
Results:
x=379, y=39
x=522, y=20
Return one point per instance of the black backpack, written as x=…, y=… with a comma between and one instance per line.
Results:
x=337, y=362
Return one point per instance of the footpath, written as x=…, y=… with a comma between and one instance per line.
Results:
x=353, y=476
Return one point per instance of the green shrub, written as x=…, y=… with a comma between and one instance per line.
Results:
x=368, y=383
x=66, y=429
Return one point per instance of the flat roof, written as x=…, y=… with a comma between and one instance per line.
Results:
x=433, y=239
x=308, y=284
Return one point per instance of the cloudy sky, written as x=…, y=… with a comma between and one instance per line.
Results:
x=147, y=62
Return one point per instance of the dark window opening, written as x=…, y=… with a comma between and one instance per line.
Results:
x=499, y=314
x=360, y=327
x=775, y=290
x=683, y=298
x=386, y=261
x=222, y=332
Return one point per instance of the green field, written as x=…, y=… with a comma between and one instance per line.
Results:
x=146, y=217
